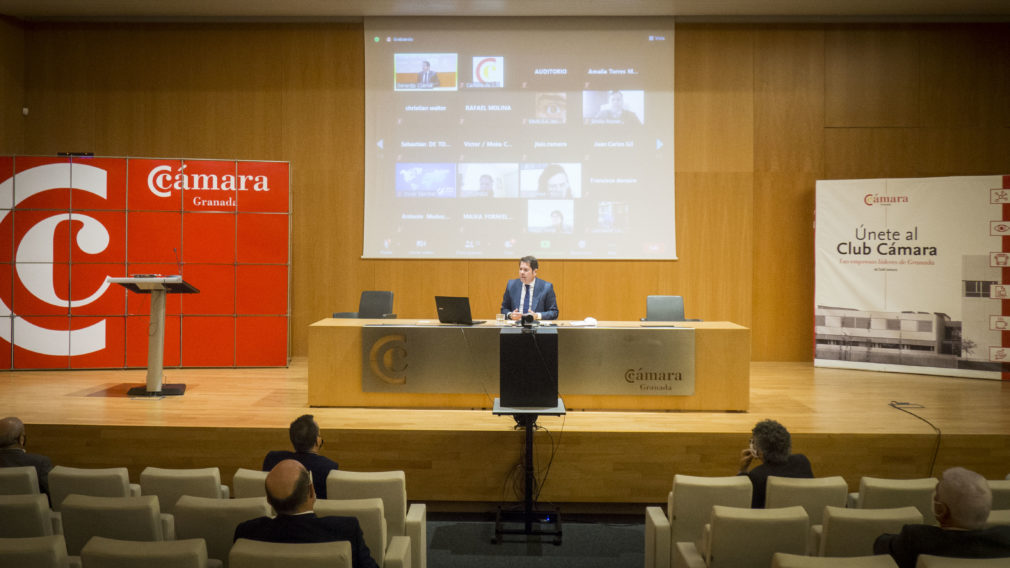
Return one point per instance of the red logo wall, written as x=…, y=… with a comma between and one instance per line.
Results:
x=68, y=224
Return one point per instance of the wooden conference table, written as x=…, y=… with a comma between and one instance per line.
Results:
x=342, y=374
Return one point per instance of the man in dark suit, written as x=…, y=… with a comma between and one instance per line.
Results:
x=427, y=78
x=961, y=505
x=13, y=454
x=305, y=438
x=290, y=493
x=528, y=295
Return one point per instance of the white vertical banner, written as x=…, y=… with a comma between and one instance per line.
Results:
x=909, y=275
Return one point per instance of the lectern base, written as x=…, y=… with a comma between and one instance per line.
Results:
x=175, y=389
x=533, y=523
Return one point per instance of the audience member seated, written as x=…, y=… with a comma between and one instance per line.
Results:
x=307, y=442
x=771, y=443
x=13, y=454
x=291, y=494
x=961, y=504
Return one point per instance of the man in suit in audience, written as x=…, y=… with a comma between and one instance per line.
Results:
x=290, y=493
x=13, y=454
x=528, y=295
x=961, y=505
x=305, y=438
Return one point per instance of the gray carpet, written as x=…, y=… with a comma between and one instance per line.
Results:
x=465, y=541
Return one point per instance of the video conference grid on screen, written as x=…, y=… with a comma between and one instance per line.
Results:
x=500, y=137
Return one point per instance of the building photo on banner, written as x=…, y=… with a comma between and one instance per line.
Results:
x=72, y=223
x=912, y=275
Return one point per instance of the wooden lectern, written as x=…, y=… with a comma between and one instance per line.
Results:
x=157, y=287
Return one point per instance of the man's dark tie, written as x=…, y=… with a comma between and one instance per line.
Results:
x=526, y=302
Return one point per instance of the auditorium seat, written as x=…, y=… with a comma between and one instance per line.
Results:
x=249, y=483
x=741, y=537
x=126, y=518
x=214, y=520
x=851, y=532
x=812, y=494
x=374, y=304
x=785, y=560
x=101, y=552
x=665, y=308
x=36, y=552
x=930, y=561
x=372, y=519
x=391, y=487
x=21, y=480
x=100, y=482
x=247, y=553
x=171, y=484
x=998, y=517
x=27, y=516
x=880, y=493
x=689, y=506
x=1000, y=493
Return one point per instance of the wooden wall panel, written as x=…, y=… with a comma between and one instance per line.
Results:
x=12, y=86
x=762, y=111
x=872, y=76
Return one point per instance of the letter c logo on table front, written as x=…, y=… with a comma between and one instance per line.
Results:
x=34, y=257
x=388, y=359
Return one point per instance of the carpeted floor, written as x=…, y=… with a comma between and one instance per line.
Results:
x=466, y=541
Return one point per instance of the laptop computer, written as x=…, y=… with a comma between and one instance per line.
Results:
x=454, y=309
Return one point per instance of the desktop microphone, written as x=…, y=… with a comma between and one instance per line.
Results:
x=178, y=262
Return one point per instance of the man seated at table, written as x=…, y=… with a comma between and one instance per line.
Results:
x=961, y=504
x=528, y=295
x=290, y=493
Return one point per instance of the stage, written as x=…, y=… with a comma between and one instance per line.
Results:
x=465, y=459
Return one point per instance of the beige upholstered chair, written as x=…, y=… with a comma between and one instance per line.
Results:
x=689, y=506
x=880, y=493
x=811, y=494
x=255, y=554
x=746, y=538
x=26, y=516
x=126, y=518
x=1000, y=493
x=101, y=552
x=101, y=482
x=249, y=483
x=391, y=487
x=930, y=561
x=784, y=560
x=22, y=480
x=170, y=484
x=998, y=517
x=214, y=520
x=371, y=517
x=36, y=552
x=851, y=532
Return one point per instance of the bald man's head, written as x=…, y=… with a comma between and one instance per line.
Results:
x=11, y=430
x=289, y=488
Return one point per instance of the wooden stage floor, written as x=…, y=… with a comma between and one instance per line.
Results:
x=229, y=418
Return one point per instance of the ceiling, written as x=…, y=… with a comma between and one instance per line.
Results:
x=283, y=10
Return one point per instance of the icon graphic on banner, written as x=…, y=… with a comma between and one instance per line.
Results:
x=998, y=354
x=999, y=196
x=999, y=259
x=999, y=323
x=37, y=277
x=999, y=291
x=997, y=228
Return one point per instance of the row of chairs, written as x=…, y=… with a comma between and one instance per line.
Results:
x=185, y=503
x=819, y=516
x=101, y=552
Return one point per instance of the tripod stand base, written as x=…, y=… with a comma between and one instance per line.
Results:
x=542, y=522
x=175, y=389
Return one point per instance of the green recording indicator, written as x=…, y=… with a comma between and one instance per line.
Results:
x=375, y=39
